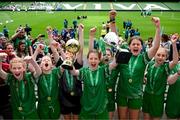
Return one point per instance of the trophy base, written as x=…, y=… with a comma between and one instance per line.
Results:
x=67, y=67
x=123, y=57
x=67, y=64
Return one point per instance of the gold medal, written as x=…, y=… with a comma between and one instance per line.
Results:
x=130, y=80
x=49, y=98
x=110, y=90
x=20, y=108
x=72, y=93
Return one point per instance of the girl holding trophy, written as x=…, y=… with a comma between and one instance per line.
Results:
x=71, y=86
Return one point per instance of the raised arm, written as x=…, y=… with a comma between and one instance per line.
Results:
x=172, y=78
x=37, y=70
x=156, y=42
x=54, y=47
x=91, y=38
x=16, y=34
x=49, y=33
x=3, y=74
x=174, y=38
x=113, y=64
x=39, y=49
x=112, y=17
x=74, y=72
x=81, y=41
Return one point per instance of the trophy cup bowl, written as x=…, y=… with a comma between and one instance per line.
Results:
x=122, y=55
x=111, y=39
x=72, y=46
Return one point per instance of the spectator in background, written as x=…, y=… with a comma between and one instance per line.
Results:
x=40, y=40
x=6, y=32
x=5, y=106
x=137, y=33
x=75, y=24
x=127, y=34
x=9, y=49
x=2, y=41
x=20, y=36
x=72, y=33
x=64, y=34
x=132, y=31
x=65, y=23
x=22, y=51
x=129, y=24
x=149, y=43
x=27, y=29
x=165, y=42
x=124, y=24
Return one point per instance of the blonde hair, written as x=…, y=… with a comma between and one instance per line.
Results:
x=18, y=60
x=165, y=49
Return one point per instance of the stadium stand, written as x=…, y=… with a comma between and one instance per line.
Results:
x=98, y=6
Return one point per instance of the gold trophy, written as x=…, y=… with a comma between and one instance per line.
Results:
x=72, y=46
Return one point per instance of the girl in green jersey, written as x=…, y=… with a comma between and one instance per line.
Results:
x=129, y=89
x=157, y=73
x=94, y=99
x=48, y=87
x=173, y=102
x=21, y=83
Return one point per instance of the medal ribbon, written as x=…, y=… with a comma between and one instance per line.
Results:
x=132, y=65
x=153, y=77
x=48, y=87
x=94, y=80
x=69, y=79
x=20, y=88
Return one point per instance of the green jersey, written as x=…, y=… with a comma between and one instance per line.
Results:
x=173, y=91
x=157, y=78
x=131, y=76
x=48, y=92
x=102, y=46
x=17, y=40
x=23, y=98
x=94, y=99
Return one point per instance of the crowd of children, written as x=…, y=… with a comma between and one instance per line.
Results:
x=94, y=91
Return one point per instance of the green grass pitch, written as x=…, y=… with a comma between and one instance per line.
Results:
x=40, y=20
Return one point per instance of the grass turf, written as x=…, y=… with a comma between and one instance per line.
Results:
x=40, y=20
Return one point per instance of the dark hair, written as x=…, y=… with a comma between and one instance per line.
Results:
x=7, y=44
x=150, y=39
x=94, y=51
x=22, y=42
x=111, y=52
x=137, y=38
x=164, y=37
x=19, y=52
